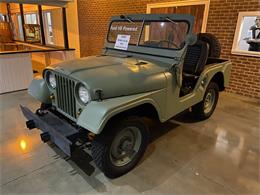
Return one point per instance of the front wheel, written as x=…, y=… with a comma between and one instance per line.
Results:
x=120, y=147
x=206, y=107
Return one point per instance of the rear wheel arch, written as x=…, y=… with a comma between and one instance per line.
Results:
x=218, y=78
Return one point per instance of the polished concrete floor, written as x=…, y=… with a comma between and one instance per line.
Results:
x=217, y=156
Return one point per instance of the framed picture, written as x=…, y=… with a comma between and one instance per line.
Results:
x=32, y=33
x=247, y=35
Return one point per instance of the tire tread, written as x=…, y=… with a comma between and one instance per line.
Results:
x=101, y=143
x=198, y=109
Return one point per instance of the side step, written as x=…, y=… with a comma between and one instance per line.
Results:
x=54, y=129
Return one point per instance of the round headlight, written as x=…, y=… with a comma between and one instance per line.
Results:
x=52, y=80
x=83, y=94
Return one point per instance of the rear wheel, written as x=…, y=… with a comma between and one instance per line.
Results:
x=120, y=147
x=206, y=107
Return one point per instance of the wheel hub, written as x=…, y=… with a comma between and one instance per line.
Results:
x=125, y=146
x=209, y=101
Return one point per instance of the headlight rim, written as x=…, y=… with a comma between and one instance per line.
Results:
x=78, y=95
x=47, y=78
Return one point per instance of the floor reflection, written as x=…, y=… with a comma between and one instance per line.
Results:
x=23, y=145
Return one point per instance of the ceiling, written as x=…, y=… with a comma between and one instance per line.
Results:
x=61, y=3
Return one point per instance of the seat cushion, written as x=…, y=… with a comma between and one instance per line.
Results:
x=196, y=58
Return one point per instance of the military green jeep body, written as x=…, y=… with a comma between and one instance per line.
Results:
x=151, y=66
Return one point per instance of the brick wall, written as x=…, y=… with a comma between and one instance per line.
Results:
x=245, y=74
x=245, y=77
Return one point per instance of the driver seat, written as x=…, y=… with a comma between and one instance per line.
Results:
x=194, y=63
x=195, y=59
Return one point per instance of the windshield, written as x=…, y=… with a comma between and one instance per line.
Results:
x=158, y=34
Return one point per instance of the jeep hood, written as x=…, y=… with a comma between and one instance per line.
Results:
x=115, y=76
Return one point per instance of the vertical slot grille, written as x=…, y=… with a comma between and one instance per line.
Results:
x=65, y=95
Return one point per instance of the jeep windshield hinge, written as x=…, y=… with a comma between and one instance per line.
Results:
x=170, y=20
x=126, y=18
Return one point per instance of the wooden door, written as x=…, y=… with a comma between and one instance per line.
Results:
x=196, y=10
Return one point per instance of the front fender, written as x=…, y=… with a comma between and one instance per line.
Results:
x=97, y=113
x=39, y=90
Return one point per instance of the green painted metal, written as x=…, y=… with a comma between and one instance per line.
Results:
x=96, y=114
x=176, y=104
x=116, y=76
x=39, y=90
x=131, y=78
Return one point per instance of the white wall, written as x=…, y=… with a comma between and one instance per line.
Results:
x=15, y=72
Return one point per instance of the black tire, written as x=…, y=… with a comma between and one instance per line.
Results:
x=102, y=147
x=200, y=111
x=213, y=42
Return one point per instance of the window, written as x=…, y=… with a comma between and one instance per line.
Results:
x=53, y=25
x=30, y=18
x=20, y=27
x=164, y=34
x=2, y=18
x=160, y=34
x=17, y=26
x=32, y=27
x=125, y=28
x=15, y=22
x=48, y=27
x=31, y=31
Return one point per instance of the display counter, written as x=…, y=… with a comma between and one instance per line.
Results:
x=18, y=60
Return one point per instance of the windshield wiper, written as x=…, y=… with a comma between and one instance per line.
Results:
x=126, y=18
x=170, y=20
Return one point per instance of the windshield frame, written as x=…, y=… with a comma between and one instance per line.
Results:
x=164, y=55
x=143, y=21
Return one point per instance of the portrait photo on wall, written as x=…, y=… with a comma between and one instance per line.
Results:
x=247, y=34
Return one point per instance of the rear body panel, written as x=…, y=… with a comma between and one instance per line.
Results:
x=176, y=104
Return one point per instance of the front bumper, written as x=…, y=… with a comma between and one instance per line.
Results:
x=54, y=129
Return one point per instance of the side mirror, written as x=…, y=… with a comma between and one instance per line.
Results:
x=191, y=39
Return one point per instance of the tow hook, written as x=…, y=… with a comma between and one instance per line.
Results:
x=45, y=137
x=40, y=112
x=30, y=124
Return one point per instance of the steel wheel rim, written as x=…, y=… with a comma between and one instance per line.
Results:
x=209, y=101
x=125, y=146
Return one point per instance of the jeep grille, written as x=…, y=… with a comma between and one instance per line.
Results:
x=65, y=95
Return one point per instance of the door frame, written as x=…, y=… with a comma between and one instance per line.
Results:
x=184, y=3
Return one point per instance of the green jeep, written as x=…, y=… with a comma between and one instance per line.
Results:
x=151, y=66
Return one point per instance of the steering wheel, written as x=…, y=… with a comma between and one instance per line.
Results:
x=169, y=43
